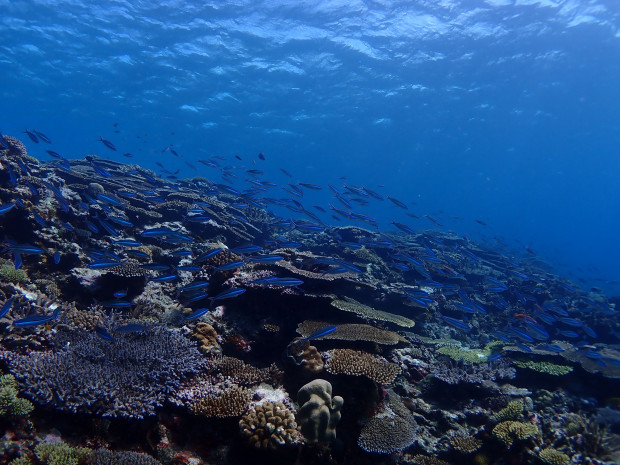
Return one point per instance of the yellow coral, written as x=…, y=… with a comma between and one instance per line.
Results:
x=551, y=456
x=357, y=363
x=545, y=367
x=510, y=431
x=511, y=412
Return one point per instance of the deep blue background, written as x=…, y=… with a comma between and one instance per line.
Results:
x=506, y=111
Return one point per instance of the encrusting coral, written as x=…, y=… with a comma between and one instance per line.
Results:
x=319, y=412
x=269, y=425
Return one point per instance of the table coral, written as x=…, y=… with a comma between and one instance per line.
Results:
x=357, y=363
x=351, y=332
x=544, y=367
x=351, y=305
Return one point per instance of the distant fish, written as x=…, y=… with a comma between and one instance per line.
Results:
x=229, y=266
x=458, y=324
x=286, y=173
x=56, y=257
x=398, y=203
x=42, y=136
x=107, y=143
x=261, y=156
x=128, y=155
x=33, y=136
x=131, y=328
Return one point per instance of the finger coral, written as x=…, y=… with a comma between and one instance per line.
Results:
x=269, y=425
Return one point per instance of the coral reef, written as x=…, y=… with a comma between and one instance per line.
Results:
x=357, y=363
x=510, y=431
x=544, y=367
x=269, y=425
x=351, y=332
x=60, y=453
x=364, y=311
x=106, y=457
x=319, y=412
x=305, y=355
x=127, y=377
x=230, y=403
x=551, y=456
x=465, y=444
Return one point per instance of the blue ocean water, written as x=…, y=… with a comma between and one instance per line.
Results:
x=501, y=111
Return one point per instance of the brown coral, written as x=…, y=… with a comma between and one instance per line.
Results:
x=206, y=336
x=303, y=354
x=465, y=444
x=230, y=403
x=269, y=425
x=248, y=375
x=351, y=332
x=356, y=363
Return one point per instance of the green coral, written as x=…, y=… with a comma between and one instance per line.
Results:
x=10, y=404
x=456, y=352
x=512, y=411
x=21, y=461
x=12, y=275
x=551, y=456
x=545, y=367
x=510, y=431
x=60, y=453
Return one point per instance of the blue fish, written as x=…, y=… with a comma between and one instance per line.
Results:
x=229, y=293
x=458, y=324
x=120, y=221
x=246, y=249
x=523, y=347
x=6, y=207
x=56, y=257
x=120, y=294
x=320, y=333
x=103, y=264
x=137, y=254
x=25, y=249
x=33, y=137
x=493, y=357
x=128, y=243
x=229, y=266
x=520, y=334
x=266, y=258
x=103, y=333
x=196, y=285
x=6, y=307
x=285, y=282
x=43, y=137
x=154, y=267
x=166, y=278
x=117, y=303
x=131, y=328
x=191, y=268
x=35, y=320
x=107, y=143
x=196, y=314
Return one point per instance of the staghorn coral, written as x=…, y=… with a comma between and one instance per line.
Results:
x=544, y=367
x=510, y=431
x=465, y=444
x=10, y=404
x=229, y=403
x=305, y=355
x=21, y=461
x=351, y=305
x=356, y=363
x=390, y=430
x=107, y=457
x=319, y=412
x=351, y=332
x=269, y=425
x=551, y=456
x=60, y=453
x=128, y=377
x=512, y=411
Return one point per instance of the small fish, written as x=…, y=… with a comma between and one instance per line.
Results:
x=229, y=266
x=155, y=267
x=54, y=154
x=195, y=286
x=265, y=258
x=128, y=243
x=229, y=293
x=398, y=203
x=523, y=347
x=246, y=249
x=166, y=278
x=196, y=297
x=107, y=143
x=107, y=198
x=6, y=207
x=35, y=320
x=285, y=282
x=6, y=307
x=403, y=227
x=128, y=155
x=33, y=136
x=42, y=136
x=196, y=314
x=190, y=268
x=120, y=294
x=137, y=253
x=103, y=264
x=103, y=333
x=25, y=249
x=320, y=333
x=117, y=303
x=131, y=328
x=56, y=257
x=261, y=156
x=458, y=324
x=494, y=357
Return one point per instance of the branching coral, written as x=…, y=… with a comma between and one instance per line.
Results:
x=465, y=444
x=106, y=457
x=127, y=377
x=60, y=453
x=510, y=431
x=10, y=404
x=551, y=456
x=229, y=403
x=512, y=411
